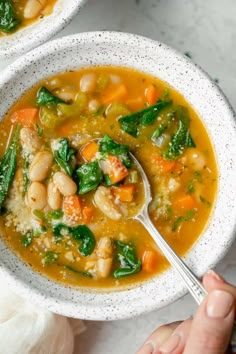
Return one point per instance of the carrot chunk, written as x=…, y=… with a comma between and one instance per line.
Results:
x=124, y=193
x=185, y=202
x=114, y=168
x=117, y=93
x=149, y=260
x=135, y=103
x=72, y=207
x=165, y=166
x=151, y=95
x=87, y=213
x=26, y=117
x=89, y=150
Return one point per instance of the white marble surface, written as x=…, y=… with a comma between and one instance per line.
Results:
x=206, y=29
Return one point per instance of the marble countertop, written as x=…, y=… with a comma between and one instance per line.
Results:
x=207, y=31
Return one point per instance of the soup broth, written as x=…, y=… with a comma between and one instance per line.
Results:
x=67, y=209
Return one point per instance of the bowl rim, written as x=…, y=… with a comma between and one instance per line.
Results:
x=59, y=23
x=97, y=312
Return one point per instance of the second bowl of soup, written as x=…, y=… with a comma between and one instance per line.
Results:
x=69, y=186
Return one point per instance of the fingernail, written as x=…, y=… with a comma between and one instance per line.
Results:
x=146, y=349
x=171, y=344
x=215, y=275
x=219, y=304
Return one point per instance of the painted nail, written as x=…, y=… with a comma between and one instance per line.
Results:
x=171, y=344
x=215, y=275
x=219, y=304
x=146, y=349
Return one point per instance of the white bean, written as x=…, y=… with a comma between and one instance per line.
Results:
x=66, y=94
x=37, y=196
x=173, y=184
x=54, y=197
x=105, y=202
x=88, y=82
x=195, y=159
x=104, y=248
x=93, y=105
x=64, y=183
x=40, y=166
x=30, y=140
x=104, y=267
x=115, y=79
x=33, y=8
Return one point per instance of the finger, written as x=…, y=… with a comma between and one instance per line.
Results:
x=160, y=335
x=212, y=325
x=212, y=281
x=176, y=342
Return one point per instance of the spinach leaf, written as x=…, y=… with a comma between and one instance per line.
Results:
x=8, y=21
x=147, y=116
x=109, y=146
x=63, y=156
x=54, y=214
x=45, y=97
x=8, y=166
x=39, y=129
x=84, y=234
x=158, y=132
x=128, y=260
x=90, y=176
x=85, y=274
x=49, y=257
x=60, y=230
x=124, y=272
x=182, y=138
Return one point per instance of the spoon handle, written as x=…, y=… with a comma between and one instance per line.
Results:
x=193, y=284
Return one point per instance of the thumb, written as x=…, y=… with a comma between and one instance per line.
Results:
x=212, y=325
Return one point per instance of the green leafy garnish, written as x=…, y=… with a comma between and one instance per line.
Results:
x=85, y=274
x=109, y=146
x=8, y=166
x=129, y=264
x=89, y=176
x=26, y=180
x=39, y=130
x=191, y=188
x=188, y=216
x=157, y=133
x=84, y=234
x=27, y=238
x=182, y=138
x=8, y=21
x=131, y=123
x=55, y=214
x=63, y=156
x=60, y=230
x=206, y=202
x=44, y=97
x=49, y=258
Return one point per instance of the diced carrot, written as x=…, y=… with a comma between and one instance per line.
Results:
x=149, y=261
x=135, y=103
x=89, y=150
x=165, y=166
x=179, y=167
x=185, y=202
x=114, y=168
x=26, y=117
x=117, y=93
x=124, y=193
x=87, y=213
x=151, y=95
x=72, y=207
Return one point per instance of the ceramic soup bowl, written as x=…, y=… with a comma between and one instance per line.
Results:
x=120, y=49
x=39, y=31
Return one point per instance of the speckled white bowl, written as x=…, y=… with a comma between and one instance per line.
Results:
x=40, y=31
x=159, y=60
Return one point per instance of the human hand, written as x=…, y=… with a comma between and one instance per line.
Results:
x=209, y=332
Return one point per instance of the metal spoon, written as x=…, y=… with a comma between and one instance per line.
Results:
x=193, y=284
x=191, y=281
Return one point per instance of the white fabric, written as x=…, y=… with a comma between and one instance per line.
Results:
x=27, y=329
